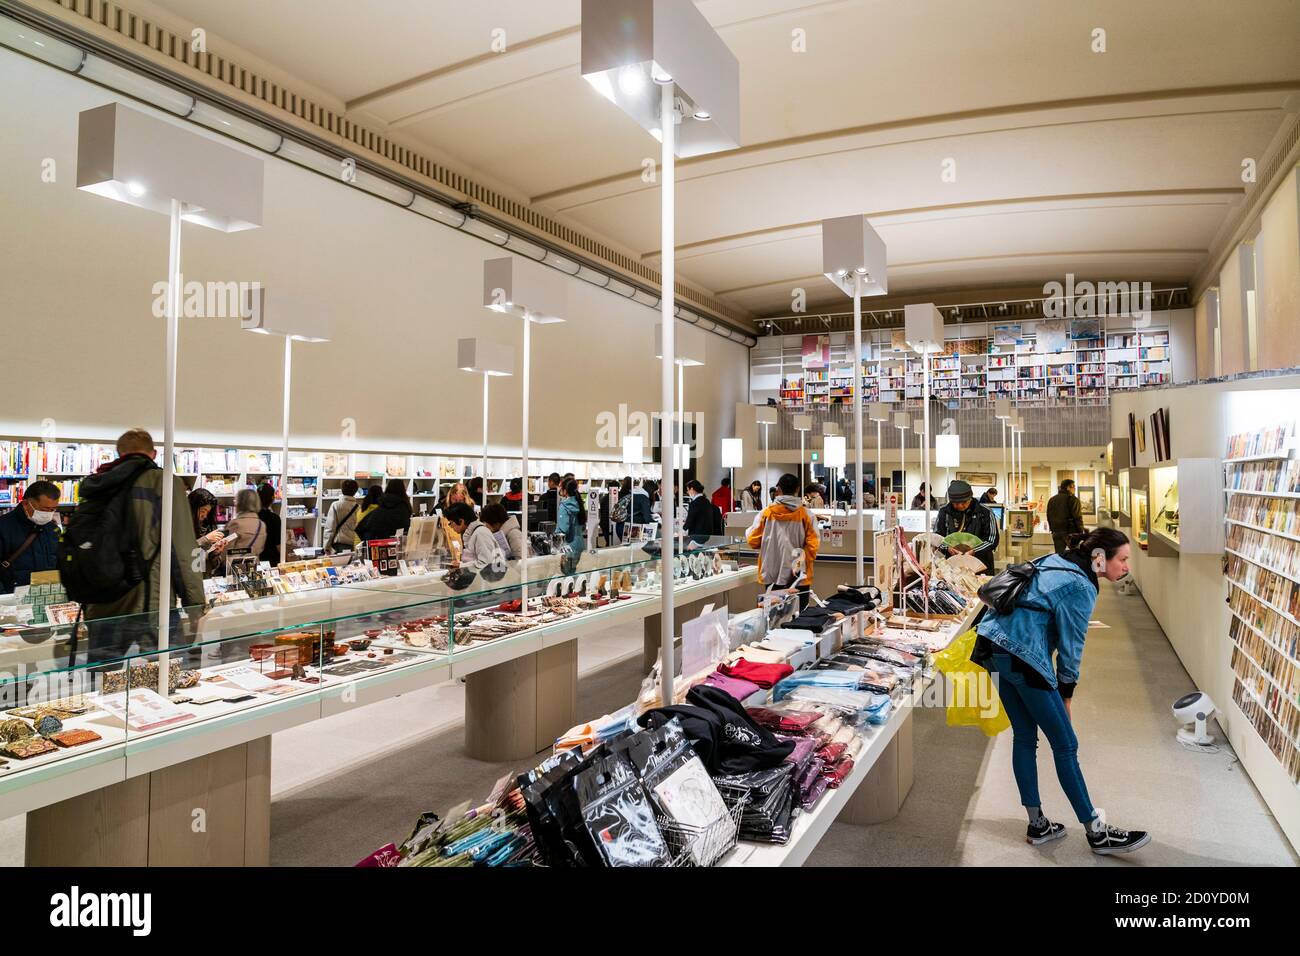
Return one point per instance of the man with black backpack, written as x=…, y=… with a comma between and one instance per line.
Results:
x=702, y=516
x=109, y=558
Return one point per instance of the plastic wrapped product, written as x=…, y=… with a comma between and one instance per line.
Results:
x=681, y=788
x=618, y=815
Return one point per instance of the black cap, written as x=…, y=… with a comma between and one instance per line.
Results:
x=959, y=491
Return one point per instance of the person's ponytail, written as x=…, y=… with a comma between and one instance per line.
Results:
x=1084, y=543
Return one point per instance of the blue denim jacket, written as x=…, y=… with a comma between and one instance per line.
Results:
x=1062, y=598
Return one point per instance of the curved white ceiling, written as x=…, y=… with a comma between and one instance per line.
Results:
x=1122, y=164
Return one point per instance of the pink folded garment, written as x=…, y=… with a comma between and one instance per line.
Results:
x=735, y=686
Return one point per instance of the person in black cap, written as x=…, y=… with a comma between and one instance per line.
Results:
x=964, y=513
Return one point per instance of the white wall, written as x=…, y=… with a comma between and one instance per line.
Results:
x=1187, y=594
x=1278, y=271
x=81, y=345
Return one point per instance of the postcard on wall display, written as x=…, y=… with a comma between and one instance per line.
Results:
x=334, y=465
x=1085, y=328
x=1052, y=335
x=1006, y=334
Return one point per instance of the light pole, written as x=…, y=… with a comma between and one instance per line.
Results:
x=539, y=296
x=135, y=158
x=879, y=415
x=663, y=64
x=923, y=328
x=765, y=416
x=1002, y=411
x=490, y=360
x=902, y=423
x=294, y=322
x=803, y=425
x=854, y=259
x=829, y=430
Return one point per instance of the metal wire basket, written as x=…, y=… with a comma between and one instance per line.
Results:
x=702, y=846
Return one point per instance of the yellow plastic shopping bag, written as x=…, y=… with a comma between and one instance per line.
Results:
x=972, y=696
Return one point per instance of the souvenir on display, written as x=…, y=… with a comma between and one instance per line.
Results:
x=74, y=738
x=13, y=729
x=27, y=747
x=47, y=725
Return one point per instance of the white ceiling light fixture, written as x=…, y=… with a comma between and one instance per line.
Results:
x=143, y=161
x=294, y=322
x=947, y=451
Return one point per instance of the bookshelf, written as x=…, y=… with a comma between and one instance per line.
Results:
x=1261, y=485
x=315, y=478
x=976, y=365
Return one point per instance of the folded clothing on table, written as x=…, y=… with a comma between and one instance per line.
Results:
x=737, y=688
x=724, y=736
x=764, y=675
x=770, y=799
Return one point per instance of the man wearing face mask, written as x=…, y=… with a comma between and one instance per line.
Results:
x=29, y=536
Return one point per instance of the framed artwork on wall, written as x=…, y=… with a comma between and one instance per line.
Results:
x=1088, y=499
x=977, y=478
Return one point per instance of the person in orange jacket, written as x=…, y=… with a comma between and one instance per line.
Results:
x=783, y=530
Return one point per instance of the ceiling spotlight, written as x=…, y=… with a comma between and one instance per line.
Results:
x=1002, y=307
x=659, y=74
x=843, y=272
x=135, y=188
x=861, y=270
x=631, y=80
x=703, y=115
x=956, y=312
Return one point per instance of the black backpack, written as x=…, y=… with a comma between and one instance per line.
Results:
x=99, y=556
x=1002, y=591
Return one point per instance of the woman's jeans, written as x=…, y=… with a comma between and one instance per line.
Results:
x=1029, y=709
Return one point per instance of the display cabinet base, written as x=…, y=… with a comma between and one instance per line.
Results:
x=519, y=708
x=882, y=794
x=214, y=810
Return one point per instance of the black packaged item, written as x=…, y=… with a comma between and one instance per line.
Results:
x=618, y=814
x=770, y=802
x=743, y=745
x=554, y=814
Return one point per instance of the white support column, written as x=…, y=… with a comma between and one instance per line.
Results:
x=284, y=452
x=483, y=472
x=169, y=446
x=523, y=516
x=857, y=424
x=667, y=302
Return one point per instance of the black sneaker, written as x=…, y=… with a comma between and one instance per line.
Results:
x=1044, y=831
x=1109, y=840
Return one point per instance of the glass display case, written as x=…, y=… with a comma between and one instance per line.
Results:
x=1125, y=494
x=1164, y=508
x=73, y=694
x=1138, y=517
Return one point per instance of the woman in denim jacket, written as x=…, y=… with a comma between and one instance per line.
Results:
x=1051, y=617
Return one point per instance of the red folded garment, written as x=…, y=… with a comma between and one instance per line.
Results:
x=764, y=675
x=832, y=752
x=511, y=606
x=834, y=775
x=787, y=722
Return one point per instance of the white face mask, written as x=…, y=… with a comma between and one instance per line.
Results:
x=43, y=517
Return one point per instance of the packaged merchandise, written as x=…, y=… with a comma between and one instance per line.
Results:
x=618, y=815
x=700, y=823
